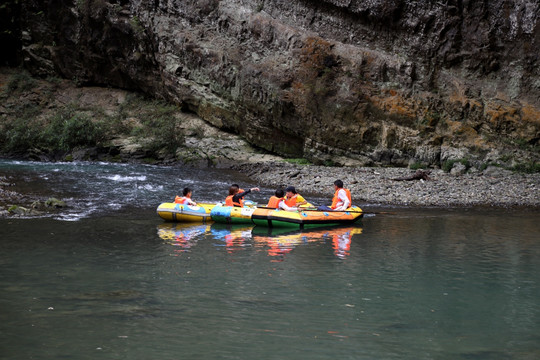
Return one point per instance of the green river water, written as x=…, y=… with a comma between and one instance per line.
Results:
x=108, y=279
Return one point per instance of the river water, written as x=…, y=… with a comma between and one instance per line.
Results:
x=108, y=279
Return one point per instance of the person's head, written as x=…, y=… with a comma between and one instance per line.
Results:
x=279, y=193
x=233, y=189
x=290, y=191
x=338, y=184
x=187, y=192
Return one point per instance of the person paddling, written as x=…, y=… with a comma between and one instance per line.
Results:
x=186, y=198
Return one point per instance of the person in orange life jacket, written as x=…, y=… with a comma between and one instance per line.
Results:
x=341, y=200
x=293, y=198
x=275, y=199
x=186, y=199
x=236, y=196
x=278, y=202
x=240, y=190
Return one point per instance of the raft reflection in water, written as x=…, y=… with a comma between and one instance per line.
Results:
x=182, y=235
x=280, y=242
x=277, y=242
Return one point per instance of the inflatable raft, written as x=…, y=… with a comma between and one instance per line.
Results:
x=232, y=214
x=304, y=218
x=185, y=213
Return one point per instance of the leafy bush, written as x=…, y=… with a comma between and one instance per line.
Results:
x=80, y=130
x=300, y=161
x=417, y=165
x=69, y=129
x=160, y=123
x=20, y=82
x=20, y=134
x=527, y=167
x=449, y=164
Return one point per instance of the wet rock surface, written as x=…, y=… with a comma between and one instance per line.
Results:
x=15, y=204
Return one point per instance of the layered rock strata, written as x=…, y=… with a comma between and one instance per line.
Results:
x=341, y=82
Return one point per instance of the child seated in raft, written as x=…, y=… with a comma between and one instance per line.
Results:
x=236, y=197
x=278, y=202
x=186, y=199
x=294, y=199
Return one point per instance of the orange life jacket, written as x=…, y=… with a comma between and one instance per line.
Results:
x=229, y=202
x=274, y=202
x=292, y=201
x=335, y=200
x=181, y=200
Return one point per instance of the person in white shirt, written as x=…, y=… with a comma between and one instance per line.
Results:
x=342, y=198
x=278, y=201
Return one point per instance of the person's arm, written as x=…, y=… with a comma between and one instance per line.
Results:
x=236, y=198
x=284, y=206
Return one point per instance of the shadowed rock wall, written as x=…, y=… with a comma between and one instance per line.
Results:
x=345, y=82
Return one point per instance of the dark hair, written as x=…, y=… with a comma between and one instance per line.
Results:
x=338, y=183
x=279, y=193
x=186, y=191
x=233, y=189
x=291, y=189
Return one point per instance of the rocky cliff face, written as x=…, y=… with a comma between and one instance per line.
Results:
x=347, y=82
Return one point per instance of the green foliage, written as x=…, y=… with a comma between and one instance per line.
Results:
x=329, y=163
x=526, y=145
x=20, y=134
x=12, y=208
x=298, y=161
x=69, y=129
x=449, y=164
x=417, y=165
x=197, y=133
x=136, y=25
x=531, y=167
x=505, y=157
x=29, y=125
x=20, y=82
x=484, y=166
x=79, y=130
x=158, y=124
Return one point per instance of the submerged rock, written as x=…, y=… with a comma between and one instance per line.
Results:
x=55, y=203
x=22, y=211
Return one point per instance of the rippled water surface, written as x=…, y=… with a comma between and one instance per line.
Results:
x=119, y=283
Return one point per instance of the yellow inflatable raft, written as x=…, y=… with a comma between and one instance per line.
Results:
x=185, y=213
x=305, y=218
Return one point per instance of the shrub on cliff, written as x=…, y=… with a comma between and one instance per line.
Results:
x=69, y=129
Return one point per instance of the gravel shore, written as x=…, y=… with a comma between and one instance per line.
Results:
x=494, y=187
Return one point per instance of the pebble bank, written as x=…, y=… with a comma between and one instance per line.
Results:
x=494, y=187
